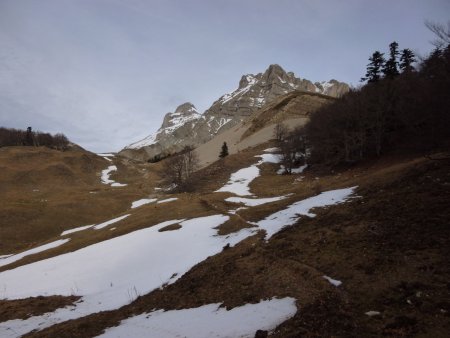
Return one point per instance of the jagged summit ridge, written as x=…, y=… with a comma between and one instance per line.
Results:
x=186, y=126
x=185, y=114
x=254, y=91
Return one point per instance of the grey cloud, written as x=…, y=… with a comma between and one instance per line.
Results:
x=104, y=72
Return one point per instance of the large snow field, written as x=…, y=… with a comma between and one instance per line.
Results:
x=207, y=321
x=13, y=258
x=105, y=177
x=280, y=219
x=113, y=273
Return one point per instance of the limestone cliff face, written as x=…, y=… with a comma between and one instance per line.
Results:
x=173, y=135
x=187, y=127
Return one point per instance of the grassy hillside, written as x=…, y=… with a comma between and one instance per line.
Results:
x=45, y=191
x=388, y=247
x=295, y=105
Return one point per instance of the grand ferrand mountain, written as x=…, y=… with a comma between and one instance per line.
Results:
x=186, y=126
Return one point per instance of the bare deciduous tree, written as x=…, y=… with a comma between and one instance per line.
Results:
x=60, y=141
x=280, y=131
x=16, y=137
x=442, y=33
x=293, y=150
x=179, y=169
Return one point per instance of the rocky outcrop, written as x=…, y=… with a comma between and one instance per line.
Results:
x=173, y=135
x=332, y=88
x=187, y=127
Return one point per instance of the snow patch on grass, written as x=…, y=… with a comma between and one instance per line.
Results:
x=167, y=200
x=115, y=184
x=112, y=221
x=141, y=202
x=105, y=177
x=289, y=216
x=234, y=211
x=70, y=231
x=13, y=258
x=105, y=174
x=271, y=150
x=252, y=202
x=298, y=170
x=207, y=321
x=239, y=181
x=269, y=158
x=335, y=282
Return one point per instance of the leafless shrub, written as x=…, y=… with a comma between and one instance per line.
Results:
x=179, y=169
x=293, y=149
x=280, y=131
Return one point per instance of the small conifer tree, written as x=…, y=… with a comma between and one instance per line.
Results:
x=390, y=69
x=29, y=137
x=373, y=73
x=407, y=58
x=224, y=151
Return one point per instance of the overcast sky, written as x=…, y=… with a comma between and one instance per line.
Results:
x=104, y=72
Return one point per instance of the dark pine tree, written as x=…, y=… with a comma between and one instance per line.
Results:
x=407, y=58
x=373, y=73
x=224, y=151
x=29, y=137
x=390, y=69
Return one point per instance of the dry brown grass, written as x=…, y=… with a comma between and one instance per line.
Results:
x=297, y=104
x=44, y=192
x=35, y=306
x=170, y=227
x=390, y=248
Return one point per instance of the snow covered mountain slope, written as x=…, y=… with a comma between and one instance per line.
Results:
x=187, y=127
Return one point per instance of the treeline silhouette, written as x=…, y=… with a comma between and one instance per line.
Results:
x=17, y=137
x=400, y=111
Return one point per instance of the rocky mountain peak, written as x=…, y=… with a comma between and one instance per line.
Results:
x=246, y=80
x=184, y=112
x=274, y=73
x=187, y=127
x=186, y=109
